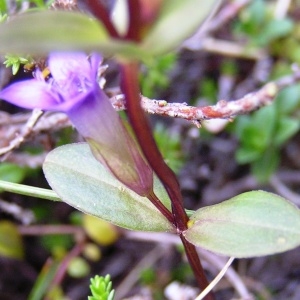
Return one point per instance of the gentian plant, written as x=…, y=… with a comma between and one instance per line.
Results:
x=120, y=175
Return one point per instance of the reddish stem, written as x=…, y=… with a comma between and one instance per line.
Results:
x=157, y=203
x=102, y=15
x=196, y=266
x=141, y=128
x=135, y=21
x=62, y=269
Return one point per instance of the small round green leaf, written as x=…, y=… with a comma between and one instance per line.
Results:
x=82, y=182
x=177, y=21
x=78, y=267
x=251, y=224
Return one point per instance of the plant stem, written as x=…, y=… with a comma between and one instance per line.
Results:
x=141, y=128
x=27, y=190
x=157, y=203
x=134, y=9
x=196, y=266
x=63, y=266
x=102, y=15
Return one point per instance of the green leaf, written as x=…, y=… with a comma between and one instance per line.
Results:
x=15, y=62
x=256, y=133
x=286, y=128
x=264, y=120
x=251, y=224
x=275, y=29
x=10, y=241
x=245, y=155
x=3, y=7
x=49, y=30
x=169, y=146
x=11, y=172
x=45, y=31
x=82, y=182
x=177, y=21
x=241, y=123
x=266, y=165
x=288, y=99
x=44, y=280
x=254, y=137
x=57, y=244
x=101, y=288
x=253, y=16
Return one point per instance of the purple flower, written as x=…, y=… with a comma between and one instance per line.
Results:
x=73, y=89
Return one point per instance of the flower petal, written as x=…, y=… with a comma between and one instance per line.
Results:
x=30, y=94
x=95, y=60
x=63, y=65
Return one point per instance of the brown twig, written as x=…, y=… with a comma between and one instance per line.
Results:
x=24, y=215
x=76, y=231
x=146, y=262
x=41, y=230
x=222, y=110
x=231, y=49
x=283, y=190
x=25, y=133
x=64, y=264
x=25, y=126
x=27, y=160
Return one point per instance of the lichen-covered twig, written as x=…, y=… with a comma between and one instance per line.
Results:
x=221, y=110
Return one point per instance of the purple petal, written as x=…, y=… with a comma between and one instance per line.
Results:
x=95, y=60
x=30, y=94
x=63, y=65
x=96, y=112
x=71, y=103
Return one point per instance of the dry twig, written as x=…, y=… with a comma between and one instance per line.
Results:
x=25, y=132
x=25, y=126
x=26, y=216
x=222, y=110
